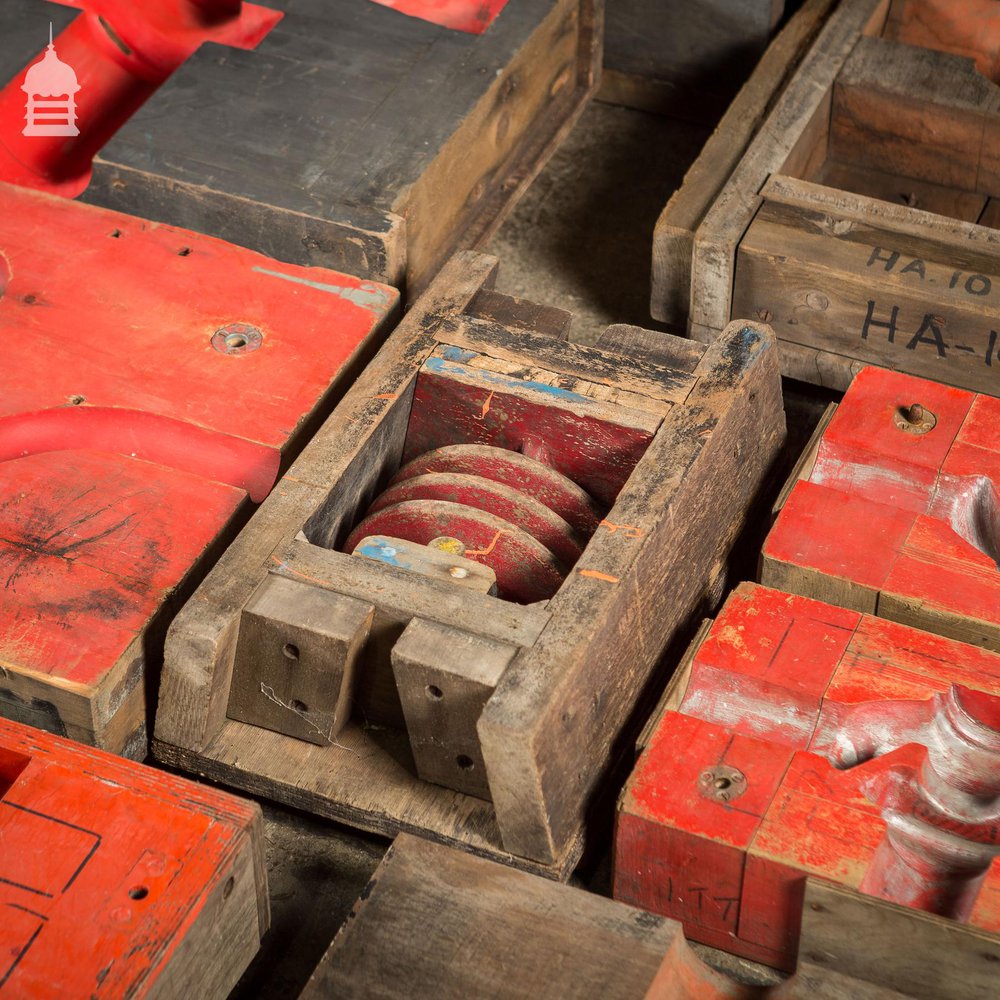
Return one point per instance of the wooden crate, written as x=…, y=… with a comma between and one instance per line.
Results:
x=437, y=923
x=117, y=880
x=804, y=739
x=861, y=219
x=686, y=59
x=352, y=136
x=140, y=422
x=517, y=706
x=895, y=515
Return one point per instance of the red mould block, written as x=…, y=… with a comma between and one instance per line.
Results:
x=812, y=740
x=118, y=881
x=900, y=514
x=152, y=381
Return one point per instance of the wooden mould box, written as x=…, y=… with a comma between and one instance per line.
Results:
x=139, y=423
x=516, y=706
x=352, y=136
x=120, y=881
x=861, y=219
x=803, y=739
x=894, y=513
x=683, y=59
x=519, y=936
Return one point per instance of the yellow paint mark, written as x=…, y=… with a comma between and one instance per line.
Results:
x=489, y=548
x=486, y=406
x=596, y=575
x=628, y=530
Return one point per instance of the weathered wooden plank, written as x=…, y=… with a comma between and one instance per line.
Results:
x=868, y=281
x=914, y=954
x=556, y=705
x=519, y=935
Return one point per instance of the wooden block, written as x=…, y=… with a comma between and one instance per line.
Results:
x=794, y=725
x=856, y=220
x=673, y=238
x=117, y=880
x=423, y=898
x=690, y=62
x=444, y=678
x=522, y=936
x=410, y=140
x=612, y=460
x=142, y=423
x=297, y=659
x=894, y=517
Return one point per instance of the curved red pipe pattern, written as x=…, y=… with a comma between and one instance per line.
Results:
x=145, y=437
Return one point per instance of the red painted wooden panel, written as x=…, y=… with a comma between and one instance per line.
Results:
x=104, y=866
x=127, y=439
x=830, y=716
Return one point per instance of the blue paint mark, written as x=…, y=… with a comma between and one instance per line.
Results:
x=380, y=550
x=440, y=366
x=367, y=295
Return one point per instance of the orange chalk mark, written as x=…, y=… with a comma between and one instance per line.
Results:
x=629, y=530
x=489, y=548
x=486, y=406
x=386, y=395
x=597, y=575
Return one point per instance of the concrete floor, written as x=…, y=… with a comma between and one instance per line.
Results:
x=580, y=239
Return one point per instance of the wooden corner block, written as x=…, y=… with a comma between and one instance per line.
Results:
x=444, y=678
x=296, y=659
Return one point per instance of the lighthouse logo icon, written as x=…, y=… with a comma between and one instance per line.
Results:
x=51, y=86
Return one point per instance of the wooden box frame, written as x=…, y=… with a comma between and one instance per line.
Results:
x=551, y=729
x=846, y=278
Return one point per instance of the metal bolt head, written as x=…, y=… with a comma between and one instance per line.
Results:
x=914, y=419
x=237, y=338
x=722, y=783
